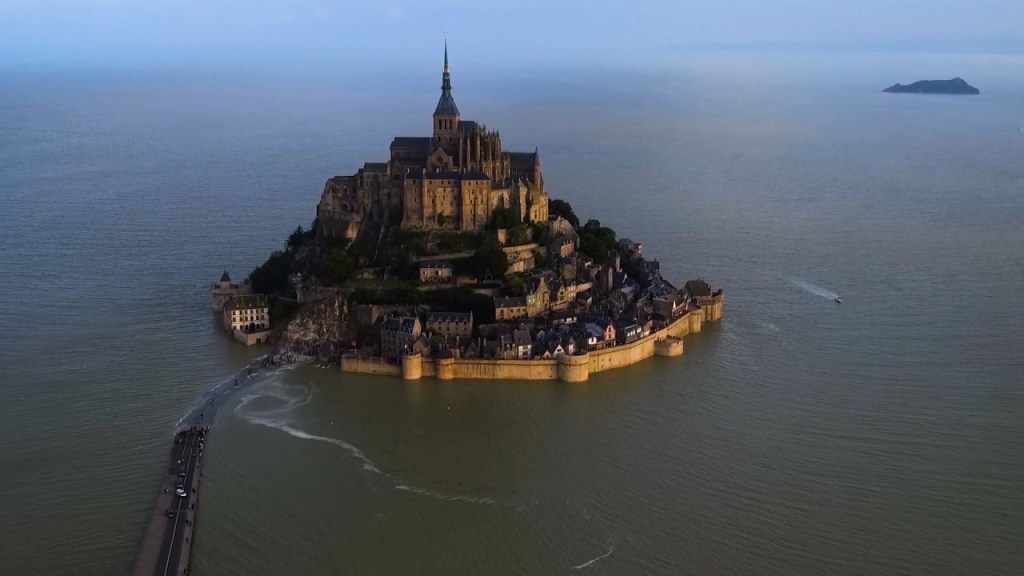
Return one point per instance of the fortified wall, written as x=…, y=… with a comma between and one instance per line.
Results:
x=567, y=368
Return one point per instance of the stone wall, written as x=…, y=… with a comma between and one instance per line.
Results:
x=251, y=338
x=369, y=365
x=505, y=369
x=668, y=341
x=642, y=349
x=665, y=342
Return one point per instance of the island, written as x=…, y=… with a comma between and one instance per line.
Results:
x=450, y=260
x=953, y=86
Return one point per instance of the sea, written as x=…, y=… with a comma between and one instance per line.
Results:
x=883, y=435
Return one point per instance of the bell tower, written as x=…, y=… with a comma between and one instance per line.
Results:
x=446, y=115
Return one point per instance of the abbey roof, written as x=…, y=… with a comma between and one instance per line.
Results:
x=415, y=142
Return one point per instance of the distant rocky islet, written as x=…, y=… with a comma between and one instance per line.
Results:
x=954, y=86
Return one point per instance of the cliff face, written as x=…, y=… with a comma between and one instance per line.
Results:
x=318, y=329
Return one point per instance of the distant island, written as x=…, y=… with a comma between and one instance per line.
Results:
x=954, y=86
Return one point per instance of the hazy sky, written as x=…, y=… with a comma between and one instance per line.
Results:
x=118, y=33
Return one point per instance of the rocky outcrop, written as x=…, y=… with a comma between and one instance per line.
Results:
x=318, y=329
x=954, y=86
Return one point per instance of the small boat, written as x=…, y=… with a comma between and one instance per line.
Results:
x=838, y=300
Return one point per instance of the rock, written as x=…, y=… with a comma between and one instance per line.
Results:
x=954, y=86
x=318, y=329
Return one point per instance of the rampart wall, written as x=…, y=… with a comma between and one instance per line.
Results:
x=369, y=365
x=577, y=368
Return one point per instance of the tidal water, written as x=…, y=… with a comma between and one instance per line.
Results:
x=798, y=436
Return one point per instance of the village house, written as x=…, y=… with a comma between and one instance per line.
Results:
x=631, y=248
x=670, y=306
x=247, y=318
x=435, y=272
x=609, y=330
x=451, y=323
x=247, y=312
x=659, y=287
x=696, y=289
x=561, y=247
x=600, y=334
x=511, y=308
x=537, y=295
x=567, y=316
x=629, y=333
x=565, y=268
x=443, y=346
x=523, y=343
x=593, y=334
x=552, y=349
x=563, y=294
x=650, y=269
x=397, y=336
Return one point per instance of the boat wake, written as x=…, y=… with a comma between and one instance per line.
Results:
x=812, y=289
x=443, y=496
x=280, y=416
x=589, y=563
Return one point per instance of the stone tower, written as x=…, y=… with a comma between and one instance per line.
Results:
x=446, y=115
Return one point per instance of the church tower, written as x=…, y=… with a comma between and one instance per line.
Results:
x=446, y=115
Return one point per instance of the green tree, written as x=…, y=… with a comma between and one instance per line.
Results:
x=540, y=259
x=336, y=265
x=542, y=233
x=271, y=277
x=504, y=218
x=514, y=286
x=283, y=310
x=520, y=234
x=563, y=209
x=592, y=246
x=298, y=237
x=603, y=233
x=489, y=259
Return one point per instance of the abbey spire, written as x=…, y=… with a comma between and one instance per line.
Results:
x=446, y=115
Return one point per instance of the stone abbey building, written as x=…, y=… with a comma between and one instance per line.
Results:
x=453, y=180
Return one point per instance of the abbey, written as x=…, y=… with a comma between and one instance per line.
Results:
x=452, y=180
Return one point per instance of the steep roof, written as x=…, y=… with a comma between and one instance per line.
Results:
x=522, y=159
x=404, y=324
x=509, y=302
x=697, y=288
x=450, y=317
x=411, y=142
x=224, y=277
x=446, y=105
x=246, y=302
